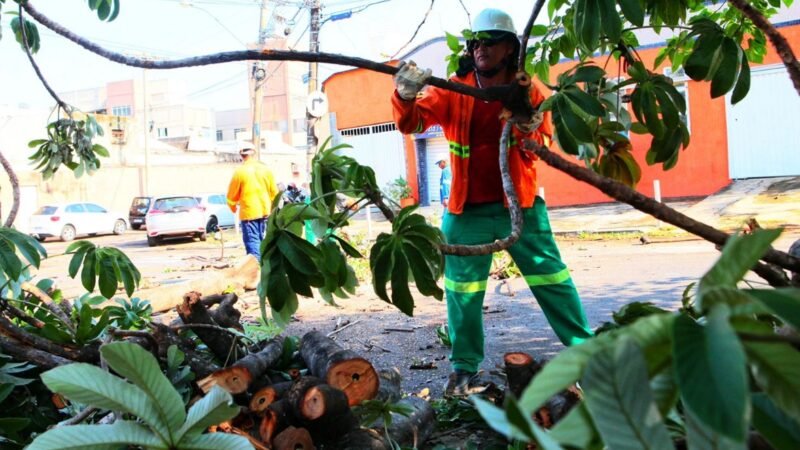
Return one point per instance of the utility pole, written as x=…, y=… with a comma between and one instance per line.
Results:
x=146, y=134
x=258, y=76
x=312, y=77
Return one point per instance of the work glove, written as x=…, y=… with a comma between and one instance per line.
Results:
x=410, y=79
x=530, y=127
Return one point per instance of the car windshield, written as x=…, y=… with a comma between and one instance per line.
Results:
x=174, y=204
x=46, y=211
x=140, y=203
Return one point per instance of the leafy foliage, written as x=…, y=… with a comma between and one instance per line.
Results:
x=12, y=243
x=105, y=267
x=133, y=314
x=148, y=395
x=69, y=142
x=688, y=374
x=107, y=10
x=411, y=253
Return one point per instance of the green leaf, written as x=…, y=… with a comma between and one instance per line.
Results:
x=214, y=408
x=742, y=81
x=88, y=279
x=577, y=429
x=610, y=20
x=295, y=255
x=401, y=295
x=698, y=64
x=30, y=249
x=574, y=123
x=107, y=275
x=217, y=441
x=453, y=43
x=633, y=11
x=618, y=395
x=141, y=368
x=565, y=369
x=776, y=369
x=539, y=30
x=738, y=256
x=523, y=423
x=590, y=105
x=701, y=437
x=710, y=368
x=348, y=248
x=91, y=385
x=587, y=23
x=587, y=74
x=96, y=437
x=9, y=261
x=424, y=277
x=784, y=302
x=780, y=430
x=727, y=70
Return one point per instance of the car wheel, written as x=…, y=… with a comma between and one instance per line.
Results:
x=202, y=236
x=40, y=238
x=152, y=241
x=136, y=226
x=67, y=233
x=212, y=225
x=119, y=227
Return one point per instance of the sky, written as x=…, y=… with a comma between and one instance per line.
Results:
x=168, y=29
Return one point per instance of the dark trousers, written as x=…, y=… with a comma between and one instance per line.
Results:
x=252, y=235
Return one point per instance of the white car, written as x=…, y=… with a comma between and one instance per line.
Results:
x=175, y=216
x=218, y=215
x=68, y=220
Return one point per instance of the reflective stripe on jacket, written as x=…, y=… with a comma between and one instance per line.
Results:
x=253, y=188
x=453, y=112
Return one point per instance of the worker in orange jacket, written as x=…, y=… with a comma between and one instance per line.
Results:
x=477, y=210
x=253, y=188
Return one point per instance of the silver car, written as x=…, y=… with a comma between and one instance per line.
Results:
x=218, y=215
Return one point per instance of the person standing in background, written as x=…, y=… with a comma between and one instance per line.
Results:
x=253, y=188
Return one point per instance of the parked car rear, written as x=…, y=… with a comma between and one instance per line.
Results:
x=68, y=220
x=175, y=216
x=218, y=215
x=138, y=211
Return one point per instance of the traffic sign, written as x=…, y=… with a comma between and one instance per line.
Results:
x=317, y=104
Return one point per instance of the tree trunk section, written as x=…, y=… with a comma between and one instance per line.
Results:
x=341, y=368
x=416, y=428
x=323, y=401
x=363, y=439
x=23, y=352
x=293, y=439
x=221, y=343
x=237, y=378
x=12, y=178
x=268, y=395
x=225, y=315
x=520, y=369
x=166, y=336
x=277, y=417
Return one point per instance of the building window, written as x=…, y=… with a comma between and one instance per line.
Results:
x=162, y=132
x=239, y=133
x=219, y=135
x=121, y=111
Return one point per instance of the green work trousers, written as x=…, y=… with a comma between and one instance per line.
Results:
x=537, y=257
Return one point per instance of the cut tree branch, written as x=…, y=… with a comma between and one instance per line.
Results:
x=778, y=41
x=647, y=205
x=12, y=178
x=36, y=69
x=22, y=352
x=244, y=55
x=526, y=33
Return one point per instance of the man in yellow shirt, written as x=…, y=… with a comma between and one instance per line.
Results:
x=253, y=188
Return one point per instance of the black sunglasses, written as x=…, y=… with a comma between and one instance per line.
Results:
x=472, y=44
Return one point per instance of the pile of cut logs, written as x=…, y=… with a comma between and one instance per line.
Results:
x=312, y=410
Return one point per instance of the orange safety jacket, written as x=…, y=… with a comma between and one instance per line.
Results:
x=453, y=112
x=253, y=188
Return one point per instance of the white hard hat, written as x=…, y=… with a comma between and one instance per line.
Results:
x=491, y=19
x=247, y=148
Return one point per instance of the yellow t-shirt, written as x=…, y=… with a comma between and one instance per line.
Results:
x=253, y=188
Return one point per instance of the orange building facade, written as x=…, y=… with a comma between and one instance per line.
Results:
x=360, y=97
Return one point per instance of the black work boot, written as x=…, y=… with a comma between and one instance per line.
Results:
x=459, y=383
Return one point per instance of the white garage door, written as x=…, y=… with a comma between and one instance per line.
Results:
x=380, y=147
x=435, y=149
x=763, y=131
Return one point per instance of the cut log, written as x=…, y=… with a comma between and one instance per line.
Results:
x=222, y=344
x=341, y=368
x=277, y=418
x=520, y=369
x=237, y=378
x=244, y=275
x=293, y=439
x=414, y=430
x=390, y=386
x=294, y=397
x=323, y=400
x=268, y=395
x=363, y=439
